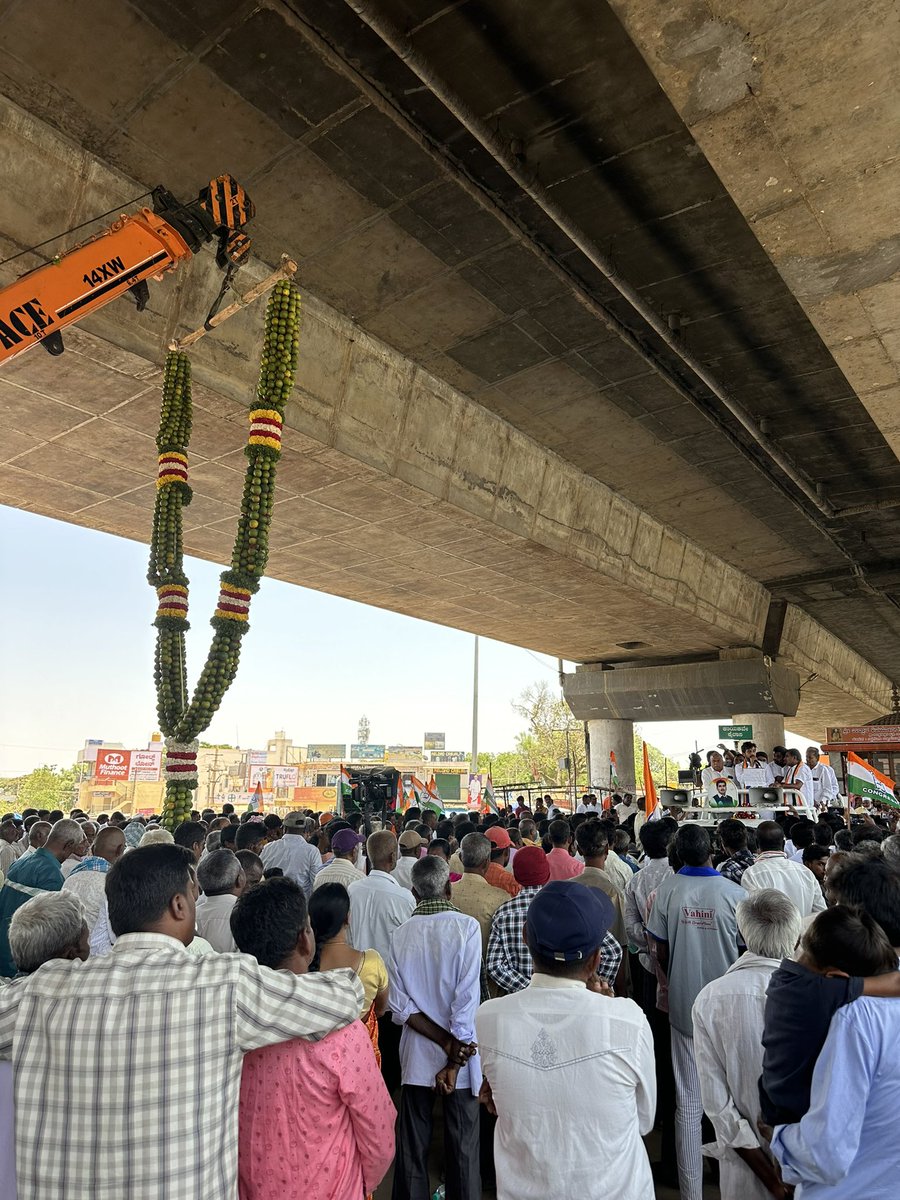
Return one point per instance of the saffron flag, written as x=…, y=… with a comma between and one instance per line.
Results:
x=613, y=772
x=651, y=800
x=865, y=780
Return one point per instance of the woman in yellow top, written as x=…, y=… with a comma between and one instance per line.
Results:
x=329, y=915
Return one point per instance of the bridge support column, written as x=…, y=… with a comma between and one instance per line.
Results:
x=616, y=736
x=768, y=729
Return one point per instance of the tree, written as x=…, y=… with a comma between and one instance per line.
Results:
x=544, y=745
x=45, y=787
x=658, y=764
x=506, y=767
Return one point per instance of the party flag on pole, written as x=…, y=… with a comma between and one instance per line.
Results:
x=651, y=800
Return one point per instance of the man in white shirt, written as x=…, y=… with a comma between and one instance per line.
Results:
x=343, y=867
x=588, y=805
x=749, y=762
x=626, y=808
x=411, y=844
x=9, y=845
x=797, y=775
x=88, y=880
x=728, y=1017
x=773, y=869
x=379, y=906
x=548, y=1047
x=297, y=858
x=715, y=769
x=824, y=780
x=222, y=878
x=435, y=989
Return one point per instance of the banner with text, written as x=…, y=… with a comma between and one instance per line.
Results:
x=112, y=764
x=285, y=777
x=145, y=766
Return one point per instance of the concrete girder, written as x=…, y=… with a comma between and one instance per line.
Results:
x=396, y=489
x=795, y=108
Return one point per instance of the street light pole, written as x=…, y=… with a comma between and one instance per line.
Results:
x=473, y=767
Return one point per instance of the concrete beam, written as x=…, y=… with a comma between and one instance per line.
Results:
x=683, y=691
x=795, y=107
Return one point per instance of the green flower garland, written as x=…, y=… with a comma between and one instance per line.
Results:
x=180, y=719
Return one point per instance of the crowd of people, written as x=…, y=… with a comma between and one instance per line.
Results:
x=257, y=1005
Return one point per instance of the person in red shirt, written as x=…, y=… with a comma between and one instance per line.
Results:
x=496, y=874
x=562, y=864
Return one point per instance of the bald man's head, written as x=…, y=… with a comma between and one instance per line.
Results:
x=381, y=851
x=110, y=843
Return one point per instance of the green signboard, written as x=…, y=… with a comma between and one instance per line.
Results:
x=736, y=733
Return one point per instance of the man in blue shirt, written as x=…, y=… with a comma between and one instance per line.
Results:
x=846, y=1146
x=33, y=875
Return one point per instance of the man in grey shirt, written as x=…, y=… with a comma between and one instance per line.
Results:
x=695, y=926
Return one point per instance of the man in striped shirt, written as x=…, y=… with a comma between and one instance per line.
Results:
x=149, y=1104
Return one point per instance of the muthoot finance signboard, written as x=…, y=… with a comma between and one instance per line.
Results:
x=112, y=764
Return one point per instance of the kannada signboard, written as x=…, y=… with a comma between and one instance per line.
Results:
x=145, y=766
x=285, y=777
x=256, y=758
x=367, y=752
x=434, y=741
x=112, y=764
x=736, y=733
x=865, y=735
x=326, y=752
x=450, y=756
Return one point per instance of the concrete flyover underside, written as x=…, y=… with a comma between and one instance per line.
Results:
x=395, y=488
x=472, y=442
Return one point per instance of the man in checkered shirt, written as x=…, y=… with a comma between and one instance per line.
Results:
x=508, y=958
x=148, y=1106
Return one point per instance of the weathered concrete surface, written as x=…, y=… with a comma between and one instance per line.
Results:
x=395, y=488
x=796, y=107
x=683, y=692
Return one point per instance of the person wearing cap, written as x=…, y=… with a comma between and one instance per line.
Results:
x=434, y=970
x=411, y=844
x=343, y=867
x=293, y=854
x=508, y=957
x=558, y=1041
x=497, y=874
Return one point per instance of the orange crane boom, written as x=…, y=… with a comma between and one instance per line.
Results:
x=141, y=246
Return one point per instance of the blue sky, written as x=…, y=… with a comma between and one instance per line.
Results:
x=76, y=644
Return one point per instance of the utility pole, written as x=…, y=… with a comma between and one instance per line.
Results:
x=473, y=767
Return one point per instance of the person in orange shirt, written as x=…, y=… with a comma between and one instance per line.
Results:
x=496, y=874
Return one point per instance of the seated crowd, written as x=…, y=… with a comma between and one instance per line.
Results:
x=266, y=1005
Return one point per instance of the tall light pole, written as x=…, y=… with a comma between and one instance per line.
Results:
x=473, y=767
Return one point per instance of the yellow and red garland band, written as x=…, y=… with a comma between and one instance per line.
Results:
x=181, y=763
x=173, y=468
x=234, y=602
x=265, y=428
x=172, y=601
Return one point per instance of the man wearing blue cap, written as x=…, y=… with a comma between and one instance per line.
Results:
x=555, y=1045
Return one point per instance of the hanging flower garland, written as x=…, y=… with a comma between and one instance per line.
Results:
x=182, y=720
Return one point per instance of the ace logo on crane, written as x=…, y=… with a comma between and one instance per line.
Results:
x=28, y=320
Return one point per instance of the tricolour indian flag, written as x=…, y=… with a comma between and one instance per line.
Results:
x=865, y=780
x=433, y=797
x=488, y=796
x=345, y=790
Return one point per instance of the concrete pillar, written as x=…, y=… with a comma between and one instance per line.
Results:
x=617, y=736
x=768, y=729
